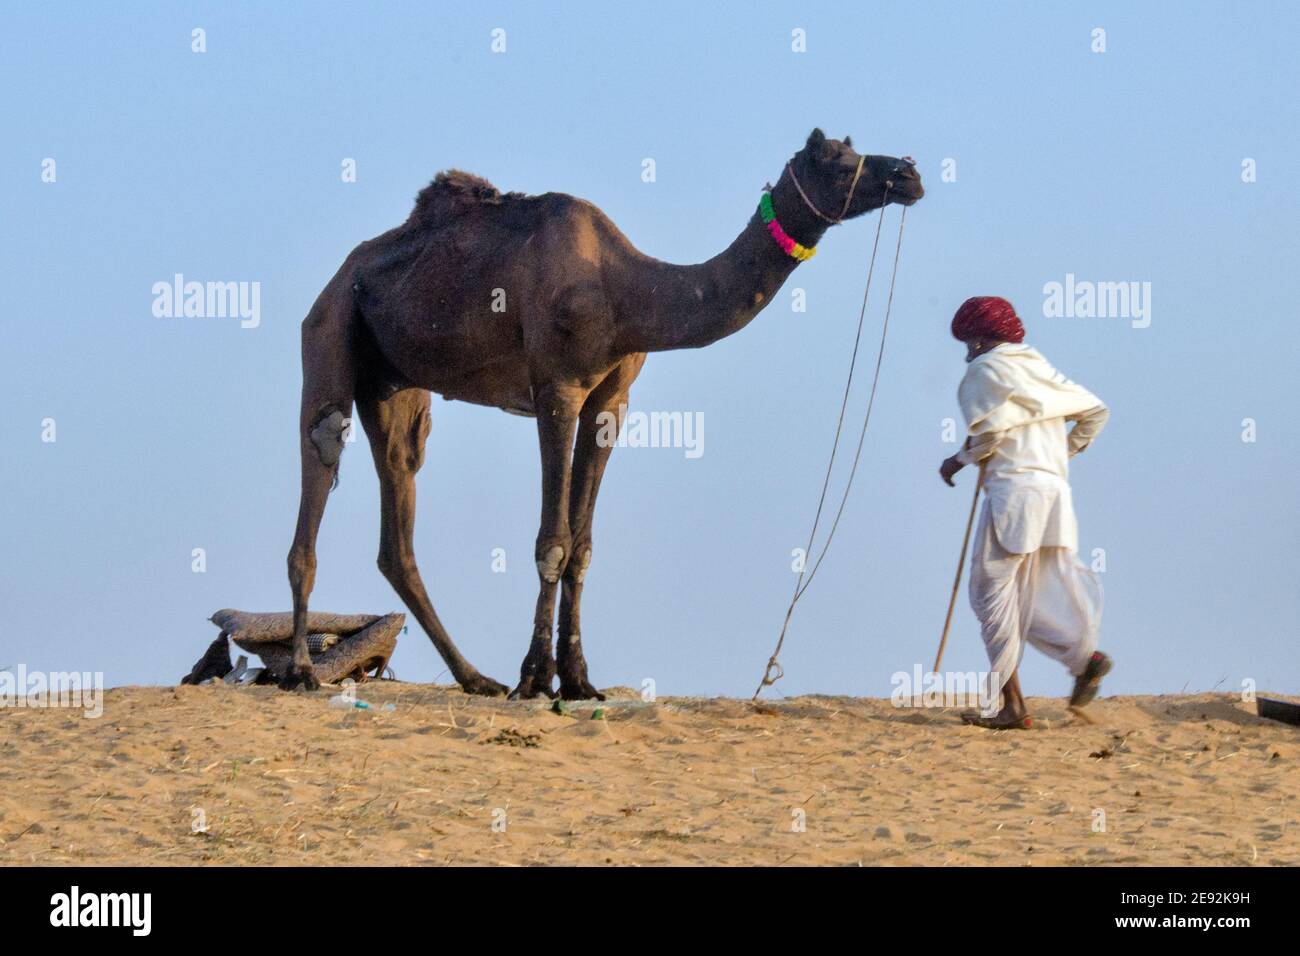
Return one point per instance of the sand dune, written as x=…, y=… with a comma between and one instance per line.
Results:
x=283, y=779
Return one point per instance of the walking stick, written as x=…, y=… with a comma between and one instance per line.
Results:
x=961, y=565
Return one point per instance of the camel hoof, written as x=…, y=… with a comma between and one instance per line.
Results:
x=580, y=691
x=574, y=684
x=481, y=686
x=300, y=679
x=530, y=689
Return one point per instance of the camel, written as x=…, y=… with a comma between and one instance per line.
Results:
x=537, y=305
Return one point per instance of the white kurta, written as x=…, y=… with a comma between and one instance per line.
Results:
x=1027, y=584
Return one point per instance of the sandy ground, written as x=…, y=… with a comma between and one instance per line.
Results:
x=283, y=779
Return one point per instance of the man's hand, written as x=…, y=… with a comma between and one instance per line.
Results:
x=949, y=468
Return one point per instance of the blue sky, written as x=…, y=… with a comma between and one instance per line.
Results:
x=176, y=434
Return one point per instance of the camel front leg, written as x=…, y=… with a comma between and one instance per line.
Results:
x=598, y=429
x=557, y=416
x=589, y=463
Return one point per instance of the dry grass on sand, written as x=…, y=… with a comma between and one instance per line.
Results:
x=282, y=779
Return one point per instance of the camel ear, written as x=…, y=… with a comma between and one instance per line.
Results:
x=848, y=141
x=816, y=140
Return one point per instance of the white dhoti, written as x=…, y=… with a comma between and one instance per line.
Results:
x=1027, y=584
x=1045, y=597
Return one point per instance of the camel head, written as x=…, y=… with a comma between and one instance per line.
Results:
x=825, y=169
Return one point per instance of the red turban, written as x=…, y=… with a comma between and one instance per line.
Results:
x=987, y=317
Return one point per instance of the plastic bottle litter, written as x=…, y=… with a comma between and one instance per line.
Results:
x=340, y=702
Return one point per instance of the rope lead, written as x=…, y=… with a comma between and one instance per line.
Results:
x=801, y=586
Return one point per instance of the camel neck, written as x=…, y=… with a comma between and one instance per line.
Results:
x=682, y=307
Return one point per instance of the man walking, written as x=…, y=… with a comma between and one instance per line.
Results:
x=1027, y=583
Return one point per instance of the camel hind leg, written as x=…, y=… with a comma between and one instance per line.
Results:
x=328, y=383
x=397, y=428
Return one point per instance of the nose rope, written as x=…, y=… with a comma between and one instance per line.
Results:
x=774, y=671
x=904, y=162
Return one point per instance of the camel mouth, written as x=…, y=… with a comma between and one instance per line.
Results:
x=906, y=193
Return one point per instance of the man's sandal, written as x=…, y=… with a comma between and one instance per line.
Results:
x=972, y=719
x=1088, y=683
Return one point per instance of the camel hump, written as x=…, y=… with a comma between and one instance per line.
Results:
x=454, y=192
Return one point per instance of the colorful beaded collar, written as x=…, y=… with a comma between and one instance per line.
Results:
x=788, y=245
x=792, y=248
